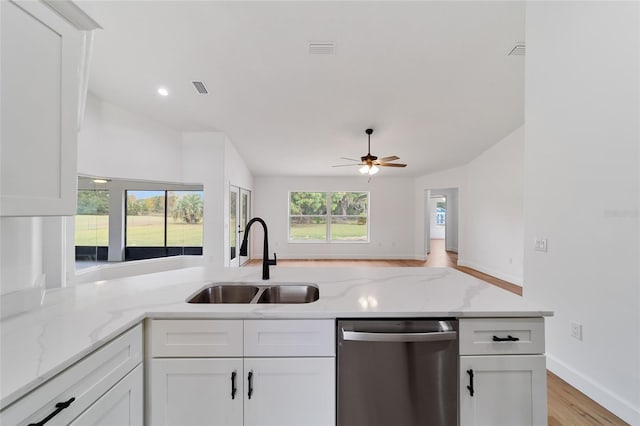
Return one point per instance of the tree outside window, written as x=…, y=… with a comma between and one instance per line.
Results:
x=328, y=216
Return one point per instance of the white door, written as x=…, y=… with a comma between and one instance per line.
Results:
x=234, y=219
x=122, y=405
x=40, y=56
x=289, y=391
x=196, y=392
x=508, y=390
x=245, y=215
x=239, y=215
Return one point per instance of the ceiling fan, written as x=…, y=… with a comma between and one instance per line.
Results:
x=369, y=163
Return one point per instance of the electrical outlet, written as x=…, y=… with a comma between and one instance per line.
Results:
x=540, y=244
x=576, y=330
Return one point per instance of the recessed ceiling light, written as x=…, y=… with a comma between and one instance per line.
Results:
x=162, y=91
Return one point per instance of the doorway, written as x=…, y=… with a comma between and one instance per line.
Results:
x=441, y=223
x=239, y=212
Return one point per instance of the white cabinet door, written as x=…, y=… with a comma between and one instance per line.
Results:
x=507, y=390
x=39, y=95
x=196, y=391
x=289, y=391
x=122, y=405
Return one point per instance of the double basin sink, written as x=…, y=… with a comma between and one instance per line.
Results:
x=235, y=292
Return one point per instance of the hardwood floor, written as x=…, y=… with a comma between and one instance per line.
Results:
x=567, y=406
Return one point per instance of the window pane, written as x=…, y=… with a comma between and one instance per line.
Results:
x=307, y=228
x=184, y=218
x=308, y=203
x=348, y=228
x=92, y=218
x=233, y=222
x=145, y=218
x=349, y=203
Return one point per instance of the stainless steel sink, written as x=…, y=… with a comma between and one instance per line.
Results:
x=238, y=292
x=290, y=293
x=225, y=293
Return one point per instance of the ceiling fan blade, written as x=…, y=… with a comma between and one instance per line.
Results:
x=391, y=164
x=391, y=158
x=346, y=165
x=350, y=159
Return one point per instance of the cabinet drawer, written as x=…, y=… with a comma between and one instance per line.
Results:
x=195, y=338
x=86, y=381
x=289, y=338
x=487, y=336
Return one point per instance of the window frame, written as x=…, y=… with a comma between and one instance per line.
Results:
x=327, y=216
x=156, y=252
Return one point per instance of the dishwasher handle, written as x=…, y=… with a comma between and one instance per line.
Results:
x=359, y=336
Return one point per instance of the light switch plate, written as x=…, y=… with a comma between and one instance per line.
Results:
x=540, y=244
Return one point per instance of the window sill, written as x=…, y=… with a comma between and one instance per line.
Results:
x=135, y=267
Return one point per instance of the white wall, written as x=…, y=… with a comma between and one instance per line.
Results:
x=582, y=144
x=493, y=238
x=20, y=253
x=114, y=142
x=203, y=161
x=391, y=217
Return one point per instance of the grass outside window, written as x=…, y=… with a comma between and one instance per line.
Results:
x=329, y=216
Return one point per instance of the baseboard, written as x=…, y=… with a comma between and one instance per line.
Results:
x=506, y=277
x=342, y=257
x=609, y=400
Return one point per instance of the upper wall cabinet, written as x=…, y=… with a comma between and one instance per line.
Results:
x=41, y=77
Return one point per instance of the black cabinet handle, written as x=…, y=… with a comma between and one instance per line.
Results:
x=59, y=407
x=509, y=338
x=470, y=386
x=233, y=385
x=250, y=380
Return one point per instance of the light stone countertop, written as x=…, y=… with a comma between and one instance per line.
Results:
x=72, y=322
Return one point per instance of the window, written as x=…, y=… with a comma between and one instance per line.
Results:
x=441, y=214
x=163, y=223
x=92, y=226
x=329, y=216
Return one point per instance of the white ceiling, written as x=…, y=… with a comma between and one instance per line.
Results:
x=432, y=78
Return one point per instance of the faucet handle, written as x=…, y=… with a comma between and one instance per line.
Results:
x=275, y=259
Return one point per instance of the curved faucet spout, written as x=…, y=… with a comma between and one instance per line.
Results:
x=266, y=262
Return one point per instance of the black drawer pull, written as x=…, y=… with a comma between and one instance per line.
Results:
x=470, y=386
x=59, y=407
x=233, y=385
x=509, y=338
x=250, y=380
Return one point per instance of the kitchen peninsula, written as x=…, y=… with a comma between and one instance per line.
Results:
x=74, y=322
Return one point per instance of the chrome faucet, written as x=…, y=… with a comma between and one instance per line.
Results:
x=266, y=262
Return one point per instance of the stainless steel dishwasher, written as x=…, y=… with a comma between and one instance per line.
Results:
x=397, y=373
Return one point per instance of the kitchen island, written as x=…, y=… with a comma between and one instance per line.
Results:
x=74, y=322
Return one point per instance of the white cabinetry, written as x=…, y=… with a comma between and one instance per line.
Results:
x=122, y=405
x=196, y=391
x=105, y=387
x=234, y=372
x=39, y=103
x=502, y=372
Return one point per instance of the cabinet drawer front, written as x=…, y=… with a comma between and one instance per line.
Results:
x=86, y=381
x=486, y=336
x=121, y=406
x=289, y=338
x=195, y=338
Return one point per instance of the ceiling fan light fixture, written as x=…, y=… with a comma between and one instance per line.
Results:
x=369, y=170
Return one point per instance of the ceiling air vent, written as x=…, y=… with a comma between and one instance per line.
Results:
x=200, y=87
x=322, y=48
x=517, y=49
